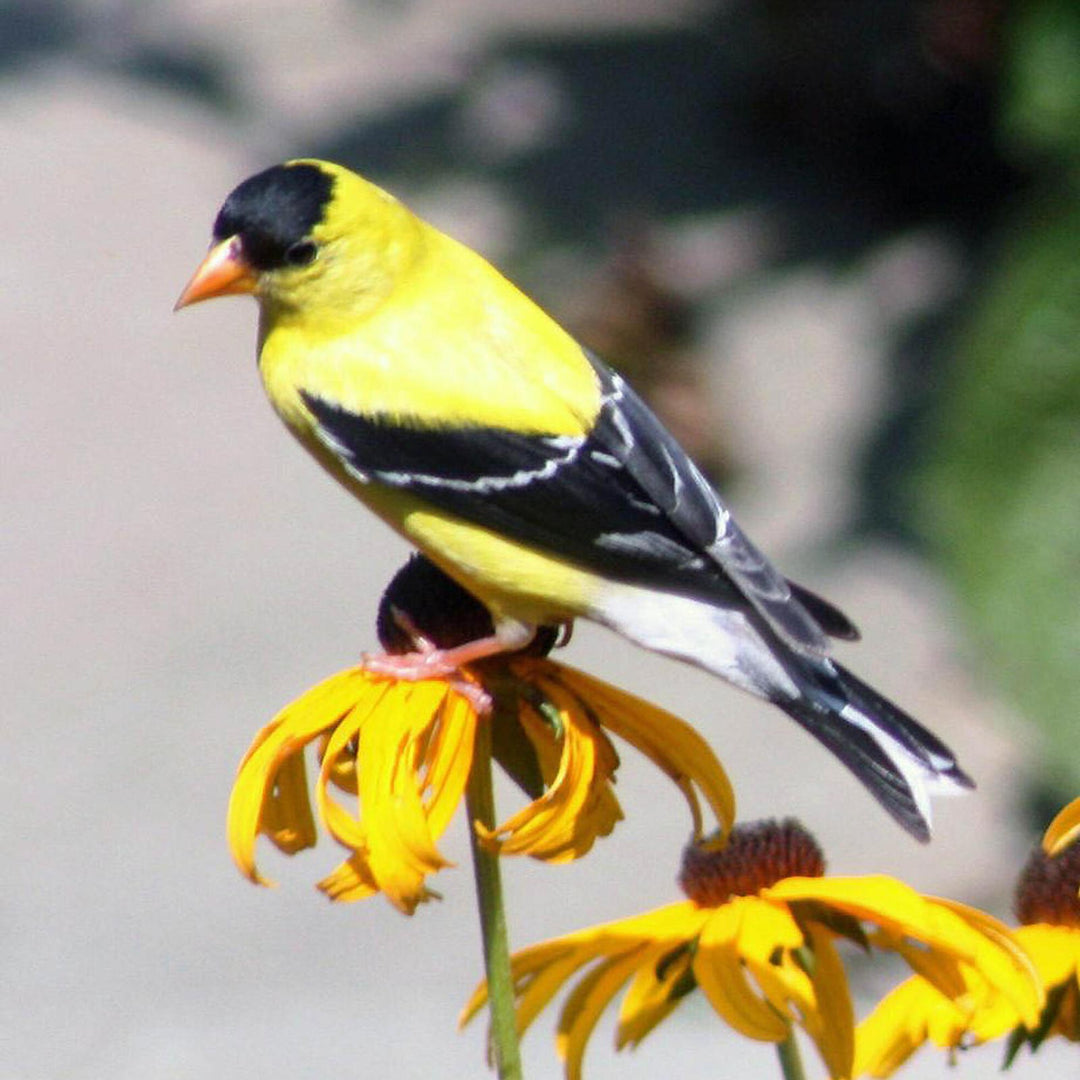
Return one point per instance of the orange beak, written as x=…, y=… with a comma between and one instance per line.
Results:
x=224, y=272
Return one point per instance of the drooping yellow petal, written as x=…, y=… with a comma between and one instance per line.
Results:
x=1064, y=830
x=902, y=913
x=351, y=880
x=831, y=1023
x=538, y=974
x=918, y=1011
x=659, y=984
x=943, y=970
x=551, y=827
x=898, y=1027
x=343, y=770
x=314, y=712
x=345, y=828
x=875, y=898
x=669, y=927
x=587, y=1002
x=447, y=761
x=670, y=743
x=414, y=746
x=1001, y=935
x=718, y=969
x=598, y=812
x=401, y=848
x=802, y=979
x=766, y=928
x=286, y=814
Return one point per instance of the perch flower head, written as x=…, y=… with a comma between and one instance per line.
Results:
x=394, y=755
x=757, y=934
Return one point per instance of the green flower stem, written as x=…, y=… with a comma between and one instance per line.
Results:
x=480, y=805
x=790, y=1061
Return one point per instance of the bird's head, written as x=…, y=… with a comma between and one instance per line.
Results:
x=309, y=237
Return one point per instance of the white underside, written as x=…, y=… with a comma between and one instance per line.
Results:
x=719, y=640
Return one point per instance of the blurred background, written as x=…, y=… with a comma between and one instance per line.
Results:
x=835, y=243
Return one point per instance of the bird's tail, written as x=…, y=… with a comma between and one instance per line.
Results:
x=900, y=763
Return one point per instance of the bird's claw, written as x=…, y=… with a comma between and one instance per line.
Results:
x=429, y=663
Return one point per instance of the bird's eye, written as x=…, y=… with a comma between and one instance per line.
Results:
x=302, y=253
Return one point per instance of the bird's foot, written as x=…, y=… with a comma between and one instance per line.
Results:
x=428, y=661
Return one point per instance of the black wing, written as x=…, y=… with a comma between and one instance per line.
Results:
x=623, y=500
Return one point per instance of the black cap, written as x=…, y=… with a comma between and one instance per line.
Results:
x=274, y=213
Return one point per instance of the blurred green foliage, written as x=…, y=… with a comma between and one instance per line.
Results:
x=1003, y=496
x=1041, y=81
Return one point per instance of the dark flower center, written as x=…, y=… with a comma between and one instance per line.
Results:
x=1046, y=889
x=757, y=855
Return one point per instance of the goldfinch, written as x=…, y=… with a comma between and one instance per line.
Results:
x=522, y=466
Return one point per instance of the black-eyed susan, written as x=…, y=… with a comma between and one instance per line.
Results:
x=1048, y=906
x=974, y=1012
x=401, y=751
x=757, y=935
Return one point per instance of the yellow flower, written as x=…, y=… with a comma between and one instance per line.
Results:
x=1048, y=906
x=400, y=752
x=757, y=935
x=974, y=1012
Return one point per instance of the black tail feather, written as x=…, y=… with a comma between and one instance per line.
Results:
x=827, y=615
x=867, y=760
x=891, y=719
x=875, y=762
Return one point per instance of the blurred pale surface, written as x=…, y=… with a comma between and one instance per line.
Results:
x=177, y=570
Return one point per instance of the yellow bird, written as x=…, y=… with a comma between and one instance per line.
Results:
x=530, y=472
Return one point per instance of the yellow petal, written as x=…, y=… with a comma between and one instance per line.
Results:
x=900, y=912
x=1063, y=830
x=1002, y=936
x=551, y=827
x=587, y=1002
x=346, y=829
x=659, y=984
x=448, y=760
x=671, y=744
x=287, y=734
x=896, y=1028
x=765, y=928
x=1054, y=950
x=941, y=970
x=286, y=814
x=537, y=974
x=831, y=1023
x=401, y=848
x=719, y=972
x=343, y=771
x=575, y=827
x=668, y=927
x=351, y=880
